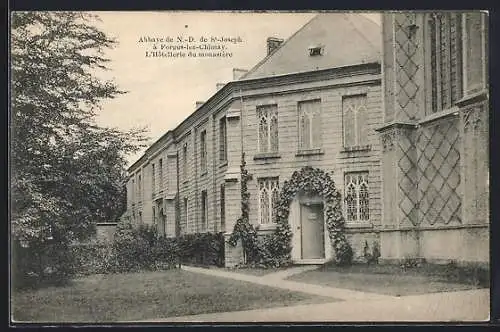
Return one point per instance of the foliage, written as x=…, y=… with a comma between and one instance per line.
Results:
x=41, y=263
x=201, y=249
x=373, y=256
x=140, y=248
x=313, y=181
x=93, y=258
x=67, y=172
x=244, y=231
x=273, y=250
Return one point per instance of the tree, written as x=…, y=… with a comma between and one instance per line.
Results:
x=67, y=173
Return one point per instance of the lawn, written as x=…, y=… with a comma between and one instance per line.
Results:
x=395, y=281
x=148, y=295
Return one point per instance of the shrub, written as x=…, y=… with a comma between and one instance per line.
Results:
x=41, y=263
x=93, y=258
x=202, y=249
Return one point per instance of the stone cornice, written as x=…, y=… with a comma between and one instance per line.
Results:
x=396, y=125
x=233, y=91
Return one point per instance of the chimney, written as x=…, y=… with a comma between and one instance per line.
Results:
x=273, y=44
x=219, y=86
x=237, y=73
x=199, y=103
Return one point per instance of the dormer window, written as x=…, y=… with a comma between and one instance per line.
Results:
x=316, y=50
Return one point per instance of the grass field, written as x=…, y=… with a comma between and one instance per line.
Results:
x=148, y=295
x=393, y=280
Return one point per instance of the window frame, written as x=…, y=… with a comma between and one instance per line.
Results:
x=222, y=202
x=160, y=171
x=153, y=179
x=203, y=152
x=434, y=74
x=186, y=212
x=271, y=205
x=184, y=162
x=269, y=117
x=465, y=40
x=301, y=145
x=223, y=140
x=357, y=188
x=356, y=130
x=204, y=210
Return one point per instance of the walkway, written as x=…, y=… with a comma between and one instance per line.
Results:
x=274, y=281
x=463, y=306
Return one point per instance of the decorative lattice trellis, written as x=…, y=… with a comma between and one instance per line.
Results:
x=438, y=173
x=407, y=65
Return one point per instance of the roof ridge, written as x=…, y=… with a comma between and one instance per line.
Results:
x=261, y=62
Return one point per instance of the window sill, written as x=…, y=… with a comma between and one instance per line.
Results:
x=267, y=155
x=265, y=227
x=472, y=98
x=223, y=163
x=309, y=152
x=439, y=115
x=357, y=148
x=354, y=224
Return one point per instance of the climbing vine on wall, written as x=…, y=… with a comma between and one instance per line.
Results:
x=314, y=181
x=243, y=230
x=273, y=250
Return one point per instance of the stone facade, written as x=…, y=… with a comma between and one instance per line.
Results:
x=435, y=137
x=413, y=177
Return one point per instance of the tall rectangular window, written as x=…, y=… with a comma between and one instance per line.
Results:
x=357, y=200
x=268, y=128
x=445, y=35
x=184, y=162
x=268, y=199
x=222, y=140
x=204, y=210
x=354, y=116
x=134, y=198
x=309, y=124
x=186, y=213
x=153, y=179
x=222, y=207
x=160, y=170
x=139, y=187
x=474, y=52
x=203, y=151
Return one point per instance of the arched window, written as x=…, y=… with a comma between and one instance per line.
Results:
x=357, y=202
x=268, y=199
x=268, y=128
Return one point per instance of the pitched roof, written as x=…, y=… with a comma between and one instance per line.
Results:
x=348, y=39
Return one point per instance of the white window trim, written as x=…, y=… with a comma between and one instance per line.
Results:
x=268, y=123
x=203, y=151
x=355, y=112
x=270, y=199
x=358, y=220
x=310, y=117
x=223, y=140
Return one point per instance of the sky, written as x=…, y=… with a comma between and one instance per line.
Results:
x=162, y=91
